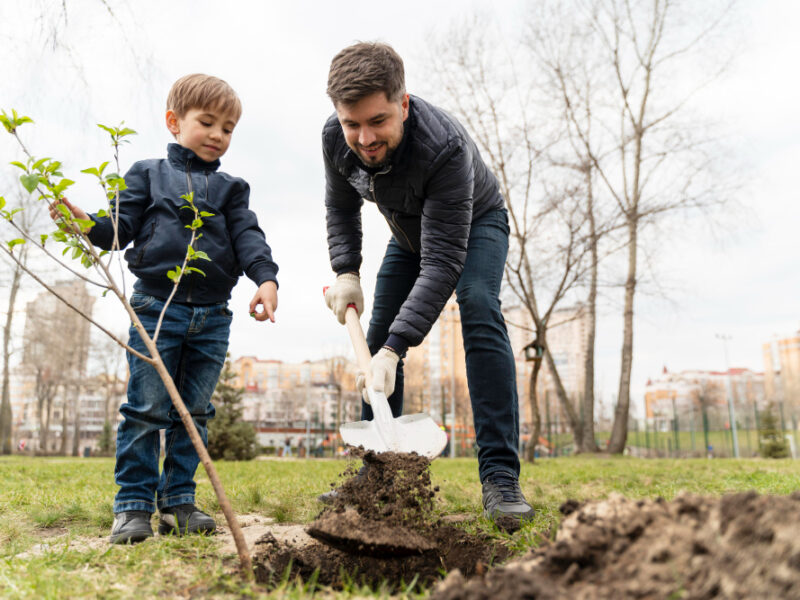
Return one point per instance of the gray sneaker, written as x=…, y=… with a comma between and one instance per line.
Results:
x=131, y=526
x=504, y=503
x=183, y=519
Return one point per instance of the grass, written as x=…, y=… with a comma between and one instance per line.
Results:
x=46, y=502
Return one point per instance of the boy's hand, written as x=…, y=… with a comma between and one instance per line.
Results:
x=267, y=296
x=76, y=211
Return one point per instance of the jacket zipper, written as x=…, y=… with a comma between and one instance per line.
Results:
x=375, y=200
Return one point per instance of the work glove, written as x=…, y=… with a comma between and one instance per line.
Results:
x=346, y=290
x=383, y=367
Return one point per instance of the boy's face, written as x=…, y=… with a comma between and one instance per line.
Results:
x=373, y=127
x=205, y=131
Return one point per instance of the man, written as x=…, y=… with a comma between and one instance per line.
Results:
x=449, y=233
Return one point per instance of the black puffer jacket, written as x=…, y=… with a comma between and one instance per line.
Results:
x=435, y=186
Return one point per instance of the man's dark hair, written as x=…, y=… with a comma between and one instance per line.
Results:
x=363, y=69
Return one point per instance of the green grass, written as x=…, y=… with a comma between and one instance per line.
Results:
x=46, y=502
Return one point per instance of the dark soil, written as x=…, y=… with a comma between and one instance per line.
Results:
x=381, y=528
x=742, y=546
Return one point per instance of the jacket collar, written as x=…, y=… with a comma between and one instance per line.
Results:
x=180, y=157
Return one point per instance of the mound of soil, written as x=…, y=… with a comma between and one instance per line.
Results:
x=381, y=528
x=740, y=546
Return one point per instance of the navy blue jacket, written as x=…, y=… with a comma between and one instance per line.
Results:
x=150, y=215
x=435, y=186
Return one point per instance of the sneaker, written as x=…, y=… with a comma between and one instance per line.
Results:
x=329, y=497
x=131, y=526
x=504, y=503
x=183, y=519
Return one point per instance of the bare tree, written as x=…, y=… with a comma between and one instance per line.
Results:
x=482, y=86
x=648, y=161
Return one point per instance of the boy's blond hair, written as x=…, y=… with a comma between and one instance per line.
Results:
x=203, y=91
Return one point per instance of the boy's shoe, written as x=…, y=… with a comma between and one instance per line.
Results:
x=183, y=519
x=131, y=526
x=504, y=503
x=329, y=497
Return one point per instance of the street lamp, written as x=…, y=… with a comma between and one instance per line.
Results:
x=729, y=385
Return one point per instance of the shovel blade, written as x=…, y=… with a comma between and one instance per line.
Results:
x=414, y=433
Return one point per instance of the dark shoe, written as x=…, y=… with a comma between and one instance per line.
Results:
x=131, y=526
x=504, y=503
x=183, y=519
x=329, y=497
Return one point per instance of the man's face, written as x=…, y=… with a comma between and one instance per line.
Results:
x=205, y=131
x=373, y=127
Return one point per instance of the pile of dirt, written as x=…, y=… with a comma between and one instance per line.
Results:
x=381, y=528
x=738, y=546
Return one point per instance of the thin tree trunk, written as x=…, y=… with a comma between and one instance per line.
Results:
x=563, y=399
x=6, y=416
x=62, y=449
x=536, y=415
x=76, y=428
x=619, y=431
x=587, y=443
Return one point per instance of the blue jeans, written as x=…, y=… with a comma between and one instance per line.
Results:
x=491, y=371
x=193, y=343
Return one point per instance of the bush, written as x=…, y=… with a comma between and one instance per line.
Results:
x=773, y=443
x=229, y=437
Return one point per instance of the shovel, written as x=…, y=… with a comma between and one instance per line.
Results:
x=409, y=433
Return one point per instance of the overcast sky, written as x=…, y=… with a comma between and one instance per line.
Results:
x=740, y=278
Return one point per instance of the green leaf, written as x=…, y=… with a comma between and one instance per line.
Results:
x=63, y=210
x=37, y=166
x=103, y=168
x=105, y=292
x=59, y=236
x=15, y=211
x=197, y=224
x=62, y=185
x=196, y=270
x=102, y=213
x=15, y=242
x=186, y=206
x=16, y=163
x=174, y=274
x=103, y=253
x=204, y=213
x=90, y=171
x=202, y=255
x=86, y=261
x=107, y=129
x=29, y=182
x=2, y=202
x=126, y=131
x=76, y=252
x=85, y=224
x=43, y=237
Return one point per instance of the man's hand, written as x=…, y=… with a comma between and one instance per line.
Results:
x=266, y=296
x=346, y=290
x=383, y=368
x=77, y=212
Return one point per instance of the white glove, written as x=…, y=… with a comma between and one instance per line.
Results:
x=383, y=367
x=346, y=290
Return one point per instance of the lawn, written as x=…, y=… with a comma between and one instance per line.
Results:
x=46, y=502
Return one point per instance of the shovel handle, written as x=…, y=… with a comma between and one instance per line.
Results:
x=359, y=341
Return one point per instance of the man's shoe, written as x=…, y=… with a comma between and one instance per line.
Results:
x=131, y=526
x=184, y=519
x=329, y=497
x=504, y=503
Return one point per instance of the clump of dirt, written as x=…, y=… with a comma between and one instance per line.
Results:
x=738, y=546
x=380, y=528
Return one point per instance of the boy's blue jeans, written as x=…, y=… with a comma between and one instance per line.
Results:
x=193, y=343
x=491, y=371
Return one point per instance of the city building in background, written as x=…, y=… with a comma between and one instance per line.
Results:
x=782, y=371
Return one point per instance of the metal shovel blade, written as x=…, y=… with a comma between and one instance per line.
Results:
x=409, y=433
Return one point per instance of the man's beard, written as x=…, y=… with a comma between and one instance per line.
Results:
x=387, y=158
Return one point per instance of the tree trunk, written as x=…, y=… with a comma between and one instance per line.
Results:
x=76, y=428
x=62, y=448
x=619, y=432
x=6, y=416
x=587, y=442
x=536, y=415
x=574, y=423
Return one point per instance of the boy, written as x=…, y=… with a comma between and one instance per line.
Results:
x=202, y=112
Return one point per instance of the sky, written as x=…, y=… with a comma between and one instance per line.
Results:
x=736, y=276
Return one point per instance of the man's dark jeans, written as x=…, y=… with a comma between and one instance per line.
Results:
x=193, y=342
x=491, y=372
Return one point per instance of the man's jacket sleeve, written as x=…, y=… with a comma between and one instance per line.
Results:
x=343, y=216
x=251, y=248
x=132, y=202
x=446, y=219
